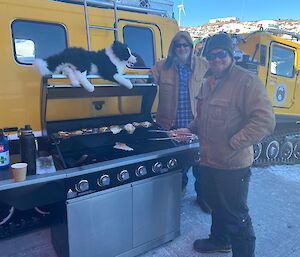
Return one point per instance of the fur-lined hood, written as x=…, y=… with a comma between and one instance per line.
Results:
x=171, y=58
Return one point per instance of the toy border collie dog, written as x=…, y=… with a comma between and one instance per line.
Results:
x=76, y=63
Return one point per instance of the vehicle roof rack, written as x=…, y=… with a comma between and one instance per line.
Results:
x=283, y=32
x=156, y=7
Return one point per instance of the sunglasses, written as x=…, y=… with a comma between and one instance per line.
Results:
x=182, y=45
x=220, y=55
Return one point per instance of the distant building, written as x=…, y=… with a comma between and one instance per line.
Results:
x=226, y=19
x=267, y=24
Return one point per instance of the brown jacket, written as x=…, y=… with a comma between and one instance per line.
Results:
x=168, y=81
x=231, y=118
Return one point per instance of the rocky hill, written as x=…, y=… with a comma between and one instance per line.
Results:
x=240, y=27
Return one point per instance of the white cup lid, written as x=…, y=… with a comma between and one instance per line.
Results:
x=19, y=165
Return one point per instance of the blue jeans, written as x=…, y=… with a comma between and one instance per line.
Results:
x=197, y=175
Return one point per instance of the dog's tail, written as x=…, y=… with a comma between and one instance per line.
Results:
x=41, y=67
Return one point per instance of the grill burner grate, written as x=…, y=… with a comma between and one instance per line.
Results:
x=93, y=148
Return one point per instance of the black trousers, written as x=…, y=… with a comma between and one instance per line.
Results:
x=226, y=192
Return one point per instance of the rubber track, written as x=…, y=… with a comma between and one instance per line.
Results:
x=291, y=132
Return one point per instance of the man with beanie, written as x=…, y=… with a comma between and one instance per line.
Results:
x=233, y=113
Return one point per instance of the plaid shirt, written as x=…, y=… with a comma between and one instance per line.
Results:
x=184, y=113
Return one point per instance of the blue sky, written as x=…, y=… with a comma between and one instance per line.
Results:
x=198, y=12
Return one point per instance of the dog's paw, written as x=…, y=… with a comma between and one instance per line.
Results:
x=88, y=87
x=75, y=84
x=128, y=84
x=86, y=84
x=122, y=81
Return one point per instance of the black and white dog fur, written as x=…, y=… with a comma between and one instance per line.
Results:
x=76, y=63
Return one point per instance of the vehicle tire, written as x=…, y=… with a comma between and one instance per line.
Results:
x=272, y=150
x=296, y=151
x=257, y=149
x=286, y=150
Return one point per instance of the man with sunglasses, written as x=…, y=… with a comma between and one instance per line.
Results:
x=179, y=78
x=233, y=113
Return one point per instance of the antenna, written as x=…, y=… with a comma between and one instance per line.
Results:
x=180, y=9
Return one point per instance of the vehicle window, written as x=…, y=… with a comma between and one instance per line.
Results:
x=140, y=42
x=24, y=50
x=283, y=60
x=37, y=40
x=263, y=54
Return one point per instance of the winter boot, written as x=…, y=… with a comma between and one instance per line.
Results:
x=211, y=246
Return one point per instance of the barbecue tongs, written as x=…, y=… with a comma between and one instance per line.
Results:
x=191, y=137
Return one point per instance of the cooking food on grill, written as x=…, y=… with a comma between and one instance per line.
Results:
x=136, y=124
x=63, y=134
x=76, y=133
x=129, y=128
x=146, y=124
x=104, y=129
x=87, y=131
x=122, y=146
x=115, y=129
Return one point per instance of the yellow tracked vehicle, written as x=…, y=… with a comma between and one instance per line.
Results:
x=40, y=28
x=274, y=55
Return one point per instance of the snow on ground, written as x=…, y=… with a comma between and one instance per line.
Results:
x=239, y=27
x=287, y=172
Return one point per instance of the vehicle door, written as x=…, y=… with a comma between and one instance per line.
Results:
x=281, y=78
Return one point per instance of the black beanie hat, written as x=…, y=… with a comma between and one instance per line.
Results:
x=222, y=41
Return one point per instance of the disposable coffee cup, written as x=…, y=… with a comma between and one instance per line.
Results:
x=19, y=171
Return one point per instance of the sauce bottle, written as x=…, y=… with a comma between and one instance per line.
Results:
x=4, y=151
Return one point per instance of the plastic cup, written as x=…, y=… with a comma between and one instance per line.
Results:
x=19, y=171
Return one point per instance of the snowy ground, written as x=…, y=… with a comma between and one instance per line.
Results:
x=287, y=172
x=274, y=200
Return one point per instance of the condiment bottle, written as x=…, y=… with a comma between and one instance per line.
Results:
x=4, y=150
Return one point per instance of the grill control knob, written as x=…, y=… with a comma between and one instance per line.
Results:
x=141, y=171
x=197, y=159
x=172, y=163
x=82, y=185
x=157, y=167
x=103, y=181
x=123, y=175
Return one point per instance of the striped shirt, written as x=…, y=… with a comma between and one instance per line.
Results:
x=184, y=113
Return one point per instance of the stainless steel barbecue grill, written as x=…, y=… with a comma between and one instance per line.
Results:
x=118, y=189
x=92, y=140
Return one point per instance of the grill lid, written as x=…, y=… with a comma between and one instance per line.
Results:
x=107, y=105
